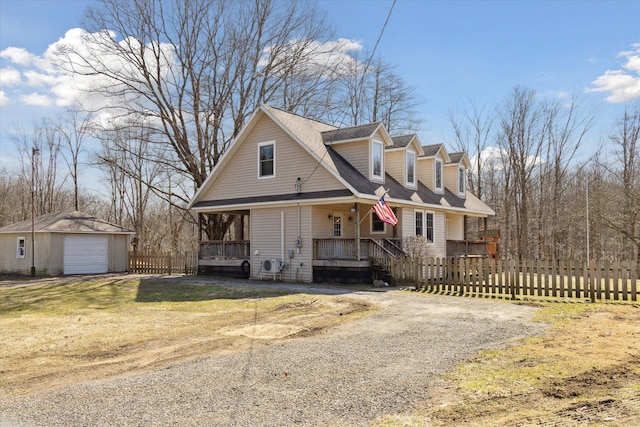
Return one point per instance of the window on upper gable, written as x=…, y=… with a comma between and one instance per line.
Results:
x=411, y=168
x=21, y=249
x=461, y=184
x=377, y=159
x=438, y=178
x=267, y=159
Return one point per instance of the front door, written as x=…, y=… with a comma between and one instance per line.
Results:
x=337, y=232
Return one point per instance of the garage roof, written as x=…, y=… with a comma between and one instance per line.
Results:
x=66, y=222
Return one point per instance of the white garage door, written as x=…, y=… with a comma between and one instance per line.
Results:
x=85, y=254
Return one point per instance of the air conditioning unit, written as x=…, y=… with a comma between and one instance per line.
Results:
x=271, y=266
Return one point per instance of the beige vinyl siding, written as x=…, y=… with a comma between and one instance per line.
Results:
x=408, y=228
x=394, y=162
x=426, y=171
x=240, y=176
x=439, y=233
x=118, y=253
x=455, y=227
x=56, y=261
x=10, y=264
x=266, y=238
x=451, y=177
x=356, y=153
x=323, y=226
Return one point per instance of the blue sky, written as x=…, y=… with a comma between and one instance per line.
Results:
x=449, y=51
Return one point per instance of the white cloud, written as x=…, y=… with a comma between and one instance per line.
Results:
x=57, y=85
x=9, y=77
x=4, y=99
x=37, y=99
x=622, y=85
x=496, y=158
x=19, y=56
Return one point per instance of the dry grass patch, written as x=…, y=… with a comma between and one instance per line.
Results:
x=585, y=370
x=57, y=334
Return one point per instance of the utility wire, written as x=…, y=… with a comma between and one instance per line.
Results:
x=360, y=83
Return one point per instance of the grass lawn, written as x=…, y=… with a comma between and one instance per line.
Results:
x=60, y=332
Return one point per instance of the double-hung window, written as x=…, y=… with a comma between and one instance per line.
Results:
x=377, y=225
x=267, y=159
x=21, y=248
x=411, y=168
x=438, y=177
x=428, y=226
x=377, y=159
x=424, y=224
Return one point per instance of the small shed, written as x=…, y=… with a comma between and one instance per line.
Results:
x=65, y=243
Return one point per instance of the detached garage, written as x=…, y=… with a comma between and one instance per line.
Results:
x=65, y=243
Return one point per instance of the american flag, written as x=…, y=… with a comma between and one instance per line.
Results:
x=384, y=212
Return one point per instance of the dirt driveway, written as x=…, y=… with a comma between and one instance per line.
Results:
x=348, y=376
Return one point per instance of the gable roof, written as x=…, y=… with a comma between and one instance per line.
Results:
x=350, y=133
x=433, y=150
x=317, y=139
x=460, y=157
x=66, y=222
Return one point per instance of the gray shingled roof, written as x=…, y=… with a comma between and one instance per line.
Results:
x=353, y=132
x=274, y=198
x=400, y=141
x=70, y=222
x=431, y=150
x=456, y=157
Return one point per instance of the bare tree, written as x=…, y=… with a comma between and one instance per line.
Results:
x=566, y=127
x=521, y=138
x=375, y=93
x=133, y=177
x=195, y=70
x=473, y=129
x=50, y=195
x=74, y=128
x=623, y=201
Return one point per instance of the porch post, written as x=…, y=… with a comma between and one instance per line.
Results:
x=357, y=225
x=464, y=220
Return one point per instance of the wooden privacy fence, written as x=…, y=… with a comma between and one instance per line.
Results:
x=485, y=276
x=163, y=262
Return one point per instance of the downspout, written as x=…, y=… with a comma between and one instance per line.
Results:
x=282, y=236
x=299, y=229
x=357, y=225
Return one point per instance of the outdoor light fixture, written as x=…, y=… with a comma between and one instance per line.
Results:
x=330, y=217
x=34, y=152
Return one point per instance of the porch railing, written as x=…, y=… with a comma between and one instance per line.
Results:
x=338, y=249
x=225, y=249
x=345, y=249
x=465, y=248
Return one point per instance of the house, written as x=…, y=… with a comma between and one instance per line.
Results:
x=65, y=243
x=306, y=190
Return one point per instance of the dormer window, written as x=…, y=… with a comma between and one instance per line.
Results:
x=377, y=159
x=438, y=177
x=461, y=185
x=411, y=168
x=267, y=159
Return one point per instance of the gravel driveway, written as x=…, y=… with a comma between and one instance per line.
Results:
x=383, y=364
